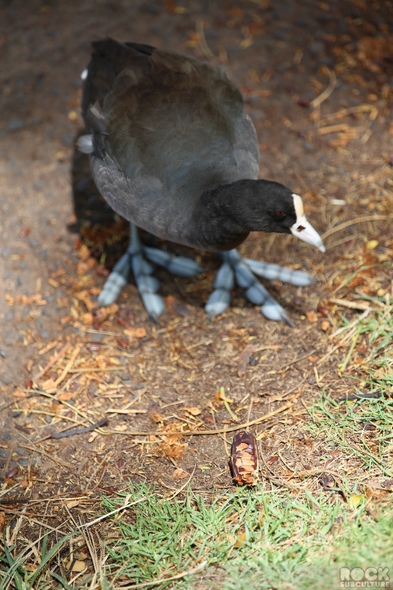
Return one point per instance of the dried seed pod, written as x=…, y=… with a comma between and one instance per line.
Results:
x=244, y=459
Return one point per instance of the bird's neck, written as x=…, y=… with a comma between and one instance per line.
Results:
x=224, y=215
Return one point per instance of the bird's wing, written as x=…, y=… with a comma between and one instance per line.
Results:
x=171, y=118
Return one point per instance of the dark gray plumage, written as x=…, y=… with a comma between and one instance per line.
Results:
x=173, y=151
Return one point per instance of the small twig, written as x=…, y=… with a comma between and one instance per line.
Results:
x=51, y=362
x=287, y=465
x=205, y=49
x=249, y=410
x=351, y=110
x=351, y=325
x=344, y=365
x=53, y=415
x=359, y=396
x=125, y=505
x=105, y=460
x=47, y=455
x=65, y=403
x=63, y=499
x=97, y=369
x=318, y=100
x=81, y=430
x=48, y=347
x=332, y=245
x=226, y=401
x=284, y=397
x=30, y=518
x=363, y=219
x=8, y=490
x=14, y=401
x=350, y=304
x=207, y=432
x=177, y=492
x=67, y=367
x=300, y=358
x=333, y=129
x=124, y=411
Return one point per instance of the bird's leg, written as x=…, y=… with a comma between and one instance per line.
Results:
x=179, y=266
x=241, y=270
x=134, y=260
x=147, y=285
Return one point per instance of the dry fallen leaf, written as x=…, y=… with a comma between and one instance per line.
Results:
x=312, y=317
x=78, y=566
x=179, y=474
x=372, y=244
x=241, y=540
x=86, y=318
x=92, y=437
x=355, y=500
x=72, y=503
x=2, y=521
x=194, y=411
x=135, y=332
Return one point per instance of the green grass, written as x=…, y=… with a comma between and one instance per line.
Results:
x=345, y=426
x=249, y=539
x=376, y=333
x=364, y=428
x=14, y=574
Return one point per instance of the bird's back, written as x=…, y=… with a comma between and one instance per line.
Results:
x=166, y=128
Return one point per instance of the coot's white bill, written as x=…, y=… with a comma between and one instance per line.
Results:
x=303, y=229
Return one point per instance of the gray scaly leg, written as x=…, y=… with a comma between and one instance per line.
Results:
x=135, y=259
x=236, y=268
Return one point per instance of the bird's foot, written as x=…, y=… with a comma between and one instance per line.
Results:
x=135, y=260
x=236, y=269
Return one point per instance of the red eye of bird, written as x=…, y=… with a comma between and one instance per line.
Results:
x=280, y=214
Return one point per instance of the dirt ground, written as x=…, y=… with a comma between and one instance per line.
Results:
x=317, y=82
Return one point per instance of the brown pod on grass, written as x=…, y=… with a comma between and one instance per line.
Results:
x=244, y=459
